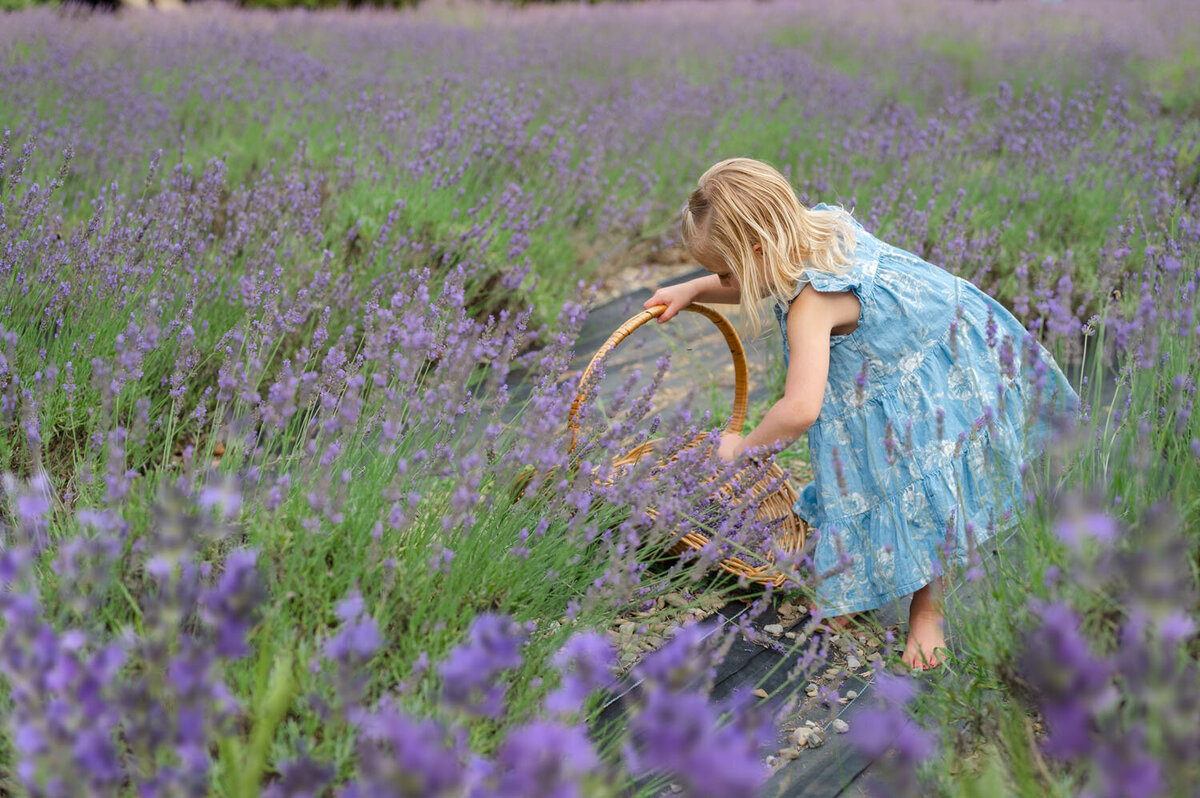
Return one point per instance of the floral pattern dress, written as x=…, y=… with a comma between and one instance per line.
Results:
x=933, y=405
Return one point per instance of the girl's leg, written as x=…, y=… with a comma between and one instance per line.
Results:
x=925, y=634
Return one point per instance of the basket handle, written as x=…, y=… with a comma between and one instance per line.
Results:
x=741, y=388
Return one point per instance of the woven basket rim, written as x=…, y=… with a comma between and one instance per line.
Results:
x=790, y=540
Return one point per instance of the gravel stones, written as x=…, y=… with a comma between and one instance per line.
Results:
x=637, y=632
x=809, y=735
x=773, y=629
x=840, y=726
x=799, y=737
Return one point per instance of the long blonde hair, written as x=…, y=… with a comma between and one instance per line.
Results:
x=740, y=202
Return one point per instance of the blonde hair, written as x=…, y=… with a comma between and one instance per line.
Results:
x=740, y=202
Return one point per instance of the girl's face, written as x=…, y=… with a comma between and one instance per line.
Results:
x=717, y=266
x=715, y=263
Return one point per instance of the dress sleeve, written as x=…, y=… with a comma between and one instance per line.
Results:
x=830, y=283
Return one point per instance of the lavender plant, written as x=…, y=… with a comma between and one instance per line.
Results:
x=269, y=281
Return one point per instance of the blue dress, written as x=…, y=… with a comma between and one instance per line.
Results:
x=932, y=405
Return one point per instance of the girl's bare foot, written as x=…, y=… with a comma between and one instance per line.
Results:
x=925, y=634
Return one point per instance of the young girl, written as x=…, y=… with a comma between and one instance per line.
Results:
x=922, y=396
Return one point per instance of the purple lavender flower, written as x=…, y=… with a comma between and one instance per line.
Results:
x=1074, y=529
x=231, y=604
x=887, y=734
x=64, y=711
x=32, y=506
x=586, y=662
x=681, y=663
x=358, y=637
x=469, y=671
x=679, y=733
x=1073, y=685
x=1126, y=768
x=540, y=758
x=300, y=778
x=400, y=756
x=352, y=646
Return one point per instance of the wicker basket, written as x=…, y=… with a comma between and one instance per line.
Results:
x=775, y=508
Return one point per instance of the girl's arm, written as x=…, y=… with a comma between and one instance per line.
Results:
x=812, y=318
x=709, y=288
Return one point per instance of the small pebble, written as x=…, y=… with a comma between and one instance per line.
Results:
x=761, y=693
x=790, y=635
x=816, y=739
x=789, y=753
x=840, y=726
x=811, y=690
x=773, y=629
x=852, y=694
x=676, y=600
x=799, y=737
x=853, y=663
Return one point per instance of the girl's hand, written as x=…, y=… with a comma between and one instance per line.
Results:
x=731, y=446
x=675, y=297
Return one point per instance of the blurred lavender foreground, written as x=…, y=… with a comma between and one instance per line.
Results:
x=267, y=277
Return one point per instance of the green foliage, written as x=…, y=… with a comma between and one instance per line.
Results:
x=19, y=5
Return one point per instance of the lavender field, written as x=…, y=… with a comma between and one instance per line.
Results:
x=289, y=306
